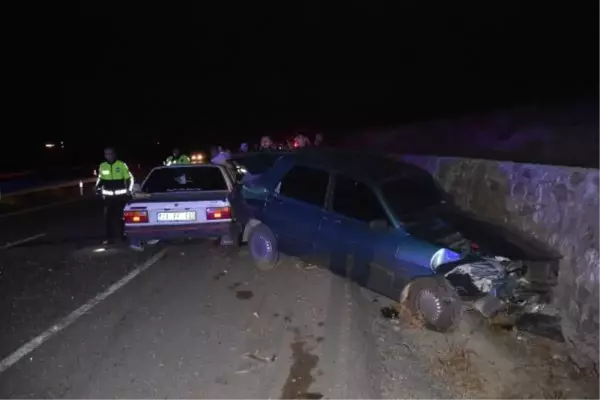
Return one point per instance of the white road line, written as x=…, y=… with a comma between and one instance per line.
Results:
x=28, y=210
x=27, y=239
x=69, y=319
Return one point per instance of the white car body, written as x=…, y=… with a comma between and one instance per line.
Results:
x=186, y=213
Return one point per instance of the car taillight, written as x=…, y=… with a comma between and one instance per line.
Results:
x=135, y=217
x=218, y=213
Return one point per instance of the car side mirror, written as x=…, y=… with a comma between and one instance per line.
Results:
x=137, y=188
x=379, y=225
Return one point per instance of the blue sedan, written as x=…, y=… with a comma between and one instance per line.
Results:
x=389, y=227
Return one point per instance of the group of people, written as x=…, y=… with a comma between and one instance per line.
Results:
x=115, y=180
x=299, y=141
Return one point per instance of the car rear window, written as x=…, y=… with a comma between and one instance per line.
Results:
x=175, y=179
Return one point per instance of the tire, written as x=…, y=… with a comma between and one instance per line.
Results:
x=262, y=245
x=434, y=301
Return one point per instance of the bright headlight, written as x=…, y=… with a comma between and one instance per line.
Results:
x=443, y=256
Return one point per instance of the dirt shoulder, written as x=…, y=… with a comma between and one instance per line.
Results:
x=481, y=360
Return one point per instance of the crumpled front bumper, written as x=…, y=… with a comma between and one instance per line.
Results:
x=498, y=284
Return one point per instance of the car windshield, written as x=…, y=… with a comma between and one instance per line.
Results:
x=176, y=179
x=256, y=164
x=411, y=195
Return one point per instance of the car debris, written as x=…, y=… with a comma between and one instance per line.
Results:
x=257, y=357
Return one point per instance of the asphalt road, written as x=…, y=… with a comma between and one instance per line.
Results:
x=186, y=320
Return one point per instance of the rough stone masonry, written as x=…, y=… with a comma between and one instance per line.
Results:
x=557, y=205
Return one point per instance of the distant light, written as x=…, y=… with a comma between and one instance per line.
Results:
x=49, y=145
x=99, y=250
x=157, y=142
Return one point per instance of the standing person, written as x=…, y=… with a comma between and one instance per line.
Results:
x=266, y=143
x=221, y=157
x=177, y=158
x=301, y=141
x=319, y=142
x=115, y=183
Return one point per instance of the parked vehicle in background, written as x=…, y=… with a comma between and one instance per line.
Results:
x=181, y=201
x=389, y=227
x=198, y=158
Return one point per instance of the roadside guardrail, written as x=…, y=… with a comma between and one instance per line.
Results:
x=53, y=186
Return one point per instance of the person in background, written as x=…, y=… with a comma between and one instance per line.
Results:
x=115, y=184
x=221, y=157
x=244, y=148
x=266, y=143
x=301, y=141
x=319, y=140
x=177, y=158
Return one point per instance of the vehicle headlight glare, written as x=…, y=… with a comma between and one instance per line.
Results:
x=443, y=256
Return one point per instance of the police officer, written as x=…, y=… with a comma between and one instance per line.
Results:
x=115, y=183
x=177, y=158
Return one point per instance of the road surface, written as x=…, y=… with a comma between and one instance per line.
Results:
x=185, y=320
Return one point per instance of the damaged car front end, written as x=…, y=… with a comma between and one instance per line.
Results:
x=496, y=271
x=493, y=268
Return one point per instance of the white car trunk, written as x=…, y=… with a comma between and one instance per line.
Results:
x=180, y=210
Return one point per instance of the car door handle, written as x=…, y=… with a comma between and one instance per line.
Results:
x=334, y=220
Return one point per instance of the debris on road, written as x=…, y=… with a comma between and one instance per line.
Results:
x=220, y=275
x=257, y=357
x=390, y=313
x=244, y=294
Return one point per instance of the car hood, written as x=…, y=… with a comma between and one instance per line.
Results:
x=450, y=227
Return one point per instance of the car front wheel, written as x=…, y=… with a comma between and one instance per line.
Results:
x=262, y=244
x=433, y=301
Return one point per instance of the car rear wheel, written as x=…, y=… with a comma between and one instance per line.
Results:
x=433, y=301
x=263, y=247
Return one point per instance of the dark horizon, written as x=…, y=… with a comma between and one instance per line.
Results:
x=94, y=76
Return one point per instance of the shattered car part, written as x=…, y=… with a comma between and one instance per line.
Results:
x=495, y=283
x=482, y=276
x=489, y=305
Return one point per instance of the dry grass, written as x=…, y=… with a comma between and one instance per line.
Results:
x=455, y=365
x=410, y=319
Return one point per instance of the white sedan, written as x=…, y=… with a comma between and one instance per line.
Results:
x=181, y=201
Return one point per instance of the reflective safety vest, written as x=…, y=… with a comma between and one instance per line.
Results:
x=114, y=179
x=182, y=159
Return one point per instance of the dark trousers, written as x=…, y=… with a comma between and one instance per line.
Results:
x=113, y=217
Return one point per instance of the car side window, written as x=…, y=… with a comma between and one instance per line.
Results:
x=305, y=184
x=356, y=200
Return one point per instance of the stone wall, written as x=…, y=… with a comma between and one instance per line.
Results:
x=557, y=205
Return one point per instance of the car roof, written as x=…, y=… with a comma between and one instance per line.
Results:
x=186, y=166
x=364, y=166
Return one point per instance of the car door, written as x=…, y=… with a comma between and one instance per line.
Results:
x=295, y=208
x=357, y=235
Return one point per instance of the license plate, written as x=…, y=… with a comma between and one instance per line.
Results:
x=177, y=216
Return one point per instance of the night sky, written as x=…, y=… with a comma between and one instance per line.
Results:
x=133, y=74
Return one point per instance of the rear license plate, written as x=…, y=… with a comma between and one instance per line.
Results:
x=177, y=216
